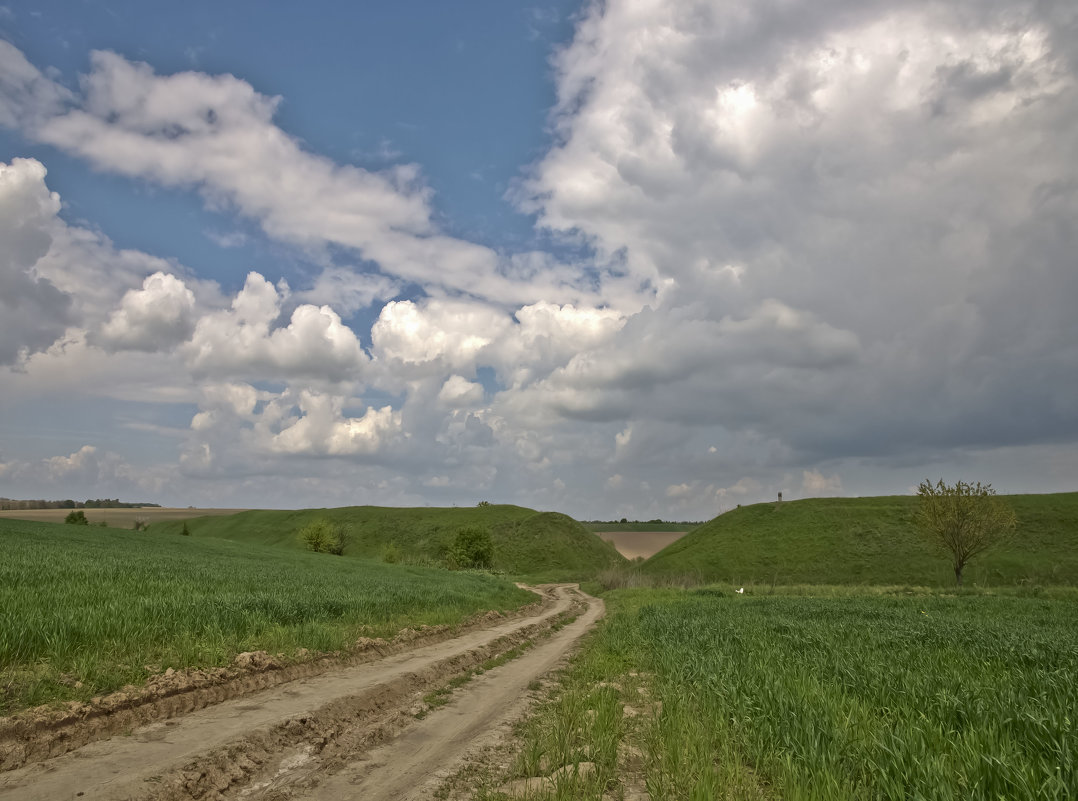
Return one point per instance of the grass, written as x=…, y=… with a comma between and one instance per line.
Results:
x=869, y=541
x=83, y=610
x=706, y=694
x=537, y=545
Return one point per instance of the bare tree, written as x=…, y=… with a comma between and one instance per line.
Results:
x=963, y=519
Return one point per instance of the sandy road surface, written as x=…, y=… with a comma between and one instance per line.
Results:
x=414, y=763
x=305, y=737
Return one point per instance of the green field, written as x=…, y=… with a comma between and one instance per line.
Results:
x=92, y=606
x=537, y=545
x=869, y=541
x=852, y=697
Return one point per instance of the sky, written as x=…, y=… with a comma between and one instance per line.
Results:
x=637, y=258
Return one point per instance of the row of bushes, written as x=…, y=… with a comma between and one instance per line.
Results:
x=78, y=518
x=471, y=548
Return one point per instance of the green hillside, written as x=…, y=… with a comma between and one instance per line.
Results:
x=526, y=543
x=83, y=609
x=869, y=541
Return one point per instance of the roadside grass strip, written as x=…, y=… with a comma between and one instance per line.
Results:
x=708, y=694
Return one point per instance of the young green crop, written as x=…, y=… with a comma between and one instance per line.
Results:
x=933, y=698
x=845, y=697
x=83, y=610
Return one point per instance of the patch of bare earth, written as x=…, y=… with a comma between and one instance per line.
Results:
x=641, y=544
x=261, y=729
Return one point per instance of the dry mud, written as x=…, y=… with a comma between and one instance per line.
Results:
x=272, y=732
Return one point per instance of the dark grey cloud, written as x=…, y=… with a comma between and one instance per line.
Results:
x=901, y=174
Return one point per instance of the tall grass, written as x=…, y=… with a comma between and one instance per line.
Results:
x=843, y=697
x=931, y=698
x=82, y=611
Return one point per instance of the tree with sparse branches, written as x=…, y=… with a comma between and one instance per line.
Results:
x=963, y=519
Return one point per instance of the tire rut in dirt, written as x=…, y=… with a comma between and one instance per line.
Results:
x=349, y=720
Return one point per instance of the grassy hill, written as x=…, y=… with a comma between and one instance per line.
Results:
x=869, y=541
x=544, y=545
x=83, y=608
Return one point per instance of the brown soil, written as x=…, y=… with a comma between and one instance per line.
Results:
x=276, y=732
x=118, y=518
x=632, y=544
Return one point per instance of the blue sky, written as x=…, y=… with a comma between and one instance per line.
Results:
x=623, y=259
x=465, y=92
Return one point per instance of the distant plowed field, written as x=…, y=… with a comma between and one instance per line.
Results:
x=632, y=544
x=120, y=518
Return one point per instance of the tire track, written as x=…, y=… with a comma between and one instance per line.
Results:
x=227, y=750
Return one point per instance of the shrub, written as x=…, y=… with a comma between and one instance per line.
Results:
x=322, y=536
x=391, y=554
x=77, y=518
x=472, y=548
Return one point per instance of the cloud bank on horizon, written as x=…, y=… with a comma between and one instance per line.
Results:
x=817, y=248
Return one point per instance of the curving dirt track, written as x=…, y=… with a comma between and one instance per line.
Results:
x=350, y=732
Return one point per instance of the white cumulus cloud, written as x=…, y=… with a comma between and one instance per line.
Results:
x=158, y=316
x=35, y=311
x=243, y=340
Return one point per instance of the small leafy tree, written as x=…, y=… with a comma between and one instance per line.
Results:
x=77, y=518
x=322, y=536
x=472, y=547
x=963, y=519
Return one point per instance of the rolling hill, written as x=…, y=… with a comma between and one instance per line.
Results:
x=869, y=541
x=545, y=545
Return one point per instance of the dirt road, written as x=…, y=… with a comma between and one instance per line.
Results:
x=348, y=733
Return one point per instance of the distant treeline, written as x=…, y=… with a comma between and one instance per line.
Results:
x=7, y=504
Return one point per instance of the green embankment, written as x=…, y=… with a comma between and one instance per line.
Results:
x=869, y=541
x=84, y=609
x=545, y=545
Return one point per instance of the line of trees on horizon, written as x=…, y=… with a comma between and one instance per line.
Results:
x=12, y=505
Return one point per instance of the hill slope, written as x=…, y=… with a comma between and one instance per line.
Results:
x=869, y=541
x=526, y=542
